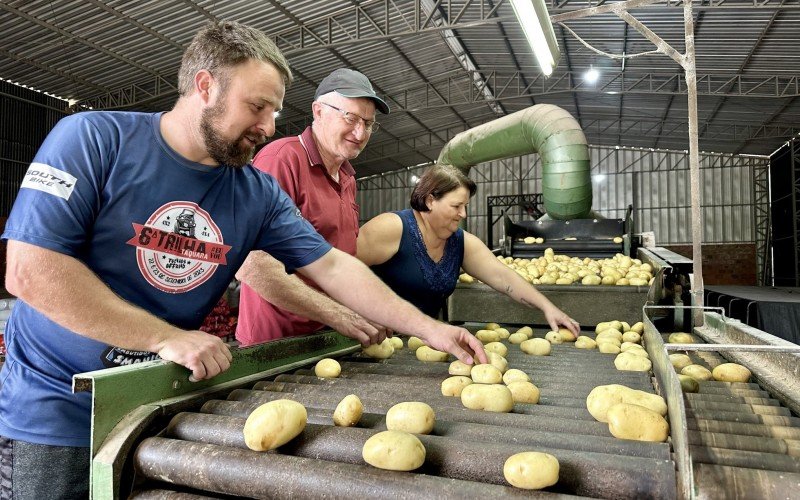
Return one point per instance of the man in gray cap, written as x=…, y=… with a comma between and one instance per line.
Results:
x=314, y=169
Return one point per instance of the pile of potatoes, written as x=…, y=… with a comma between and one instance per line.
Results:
x=691, y=374
x=552, y=269
x=493, y=386
x=629, y=413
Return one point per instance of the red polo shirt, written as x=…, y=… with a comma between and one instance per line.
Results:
x=328, y=205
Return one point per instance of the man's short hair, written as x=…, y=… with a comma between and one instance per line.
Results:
x=437, y=181
x=223, y=45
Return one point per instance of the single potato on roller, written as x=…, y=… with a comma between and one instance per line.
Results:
x=427, y=354
x=384, y=350
x=453, y=386
x=631, y=421
x=411, y=416
x=274, y=424
x=524, y=392
x=495, y=398
x=531, y=470
x=536, y=347
x=348, y=412
x=394, y=450
x=496, y=347
x=731, y=372
x=680, y=361
x=327, y=368
x=697, y=372
x=515, y=375
x=486, y=374
x=458, y=367
x=414, y=343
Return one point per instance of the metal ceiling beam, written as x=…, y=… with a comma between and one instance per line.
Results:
x=133, y=22
x=377, y=20
x=46, y=67
x=569, y=70
x=570, y=5
x=768, y=123
x=83, y=41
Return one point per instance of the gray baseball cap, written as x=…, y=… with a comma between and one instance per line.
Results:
x=350, y=83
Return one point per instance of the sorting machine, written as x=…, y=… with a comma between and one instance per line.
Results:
x=156, y=435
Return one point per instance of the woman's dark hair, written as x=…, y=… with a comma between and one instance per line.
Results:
x=437, y=181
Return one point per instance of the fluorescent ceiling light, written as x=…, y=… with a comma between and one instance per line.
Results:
x=591, y=75
x=598, y=177
x=535, y=21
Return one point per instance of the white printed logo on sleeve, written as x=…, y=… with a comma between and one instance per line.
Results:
x=179, y=247
x=43, y=177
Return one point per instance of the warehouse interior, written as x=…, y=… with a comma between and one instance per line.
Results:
x=445, y=67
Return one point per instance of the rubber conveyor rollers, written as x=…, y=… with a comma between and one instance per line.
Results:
x=204, y=450
x=743, y=443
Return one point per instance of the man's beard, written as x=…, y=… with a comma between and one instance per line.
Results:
x=225, y=152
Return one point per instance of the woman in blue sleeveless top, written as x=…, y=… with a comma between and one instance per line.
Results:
x=418, y=251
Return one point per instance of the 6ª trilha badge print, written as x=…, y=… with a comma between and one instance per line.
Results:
x=179, y=247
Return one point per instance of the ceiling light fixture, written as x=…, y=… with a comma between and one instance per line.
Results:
x=591, y=75
x=535, y=21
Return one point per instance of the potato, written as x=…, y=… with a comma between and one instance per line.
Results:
x=554, y=338
x=731, y=372
x=631, y=421
x=414, y=343
x=637, y=352
x=608, y=280
x=397, y=343
x=537, y=347
x=591, y=279
x=628, y=346
x=383, y=350
x=566, y=335
x=411, y=416
x=681, y=338
x=274, y=424
x=348, y=412
x=688, y=384
x=502, y=332
x=452, y=386
x=458, y=367
x=617, y=239
x=680, y=361
x=487, y=336
x=627, y=361
x=514, y=375
x=465, y=278
x=528, y=331
x=486, y=374
x=631, y=337
x=531, y=470
x=604, y=397
x=425, y=353
x=585, y=342
x=611, y=332
x=394, y=450
x=529, y=240
x=638, y=327
x=496, y=347
x=697, y=372
x=327, y=368
x=625, y=327
x=492, y=326
x=497, y=361
x=517, y=338
x=637, y=282
x=608, y=348
x=608, y=338
x=615, y=325
x=496, y=398
x=603, y=325
x=524, y=392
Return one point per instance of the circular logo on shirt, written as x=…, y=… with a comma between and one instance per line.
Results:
x=179, y=247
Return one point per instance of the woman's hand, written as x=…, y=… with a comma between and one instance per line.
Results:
x=556, y=317
x=458, y=342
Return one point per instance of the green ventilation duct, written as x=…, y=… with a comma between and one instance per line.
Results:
x=545, y=129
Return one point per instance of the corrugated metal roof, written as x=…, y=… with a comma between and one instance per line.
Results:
x=747, y=63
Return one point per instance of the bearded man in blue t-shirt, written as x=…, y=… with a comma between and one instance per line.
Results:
x=127, y=229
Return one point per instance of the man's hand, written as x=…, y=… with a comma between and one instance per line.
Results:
x=458, y=342
x=205, y=355
x=355, y=326
x=556, y=317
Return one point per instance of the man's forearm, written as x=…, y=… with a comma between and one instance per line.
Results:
x=350, y=282
x=61, y=287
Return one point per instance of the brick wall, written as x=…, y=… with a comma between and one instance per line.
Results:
x=725, y=264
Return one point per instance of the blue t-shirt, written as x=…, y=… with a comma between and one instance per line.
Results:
x=414, y=276
x=162, y=232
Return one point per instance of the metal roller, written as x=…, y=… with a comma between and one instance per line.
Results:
x=162, y=494
x=711, y=406
x=723, y=398
x=742, y=484
x=380, y=395
x=234, y=471
x=748, y=418
x=584, y=427
x=745, y=393
x=743, y=458
x=746, y=429
x=433, y=391
x=585, y=473
x=760, y=444
x=529, y=437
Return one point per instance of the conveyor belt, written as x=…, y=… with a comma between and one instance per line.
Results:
x=743, y=442
x=203, y=449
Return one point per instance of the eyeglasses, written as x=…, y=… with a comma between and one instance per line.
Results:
x=352, y=119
